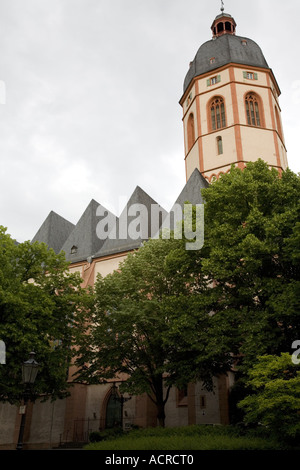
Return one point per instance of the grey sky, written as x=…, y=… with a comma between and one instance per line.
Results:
x=92, y=91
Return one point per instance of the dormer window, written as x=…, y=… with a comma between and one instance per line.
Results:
x=213, y=80
x=250, y=76
x=74, y=250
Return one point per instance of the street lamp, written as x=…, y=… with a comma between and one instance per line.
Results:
x=30, y=370
x=120, y=398
x=29, y=373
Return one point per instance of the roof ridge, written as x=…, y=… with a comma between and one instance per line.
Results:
x=122, y=243
x=54, y=231
x=83, y=240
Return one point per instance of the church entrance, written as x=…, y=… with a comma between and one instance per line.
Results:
x=113, y=413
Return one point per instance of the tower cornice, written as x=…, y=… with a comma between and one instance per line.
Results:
x=225, y=67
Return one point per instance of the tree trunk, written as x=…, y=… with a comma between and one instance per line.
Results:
x=158, y=398
x=161, y=414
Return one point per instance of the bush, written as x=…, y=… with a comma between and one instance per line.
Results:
x=275, y=402
x=95, y=436
x=107, y=434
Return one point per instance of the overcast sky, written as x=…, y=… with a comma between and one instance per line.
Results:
x=92, y=92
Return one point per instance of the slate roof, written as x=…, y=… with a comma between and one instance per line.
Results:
x=54, y=231
x=225, y=49
x=190, y=193
x=83, y=241
x=192, y=189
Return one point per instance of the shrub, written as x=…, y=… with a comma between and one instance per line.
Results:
x=275, y=402
x=107, y=434
x=95, y=436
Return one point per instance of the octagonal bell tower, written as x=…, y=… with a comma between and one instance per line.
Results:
x=230, y=102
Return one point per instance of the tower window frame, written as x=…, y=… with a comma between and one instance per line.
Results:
x=250, y=75
x=278, y=123
x=217, y=113
x=219, y=142
x=213, y=80
x=253, y=110
x=191, y=136
x=189, y=99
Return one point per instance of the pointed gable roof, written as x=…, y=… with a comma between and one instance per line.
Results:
x=133, y=222
x=83, y=241
x=192, y=189
x=190, y=193
x=54, y=231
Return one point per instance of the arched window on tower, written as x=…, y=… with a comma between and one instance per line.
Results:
x=278, y=123
x=253, y=110
x=191, y=131
x=217, y=113
x=219, y=145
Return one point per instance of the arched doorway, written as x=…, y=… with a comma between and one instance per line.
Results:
x=113, y=416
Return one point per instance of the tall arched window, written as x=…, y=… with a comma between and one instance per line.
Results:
x=278, y=122
x=190, y=131
x=217, y=113
x=252, y=110
x=219, y=145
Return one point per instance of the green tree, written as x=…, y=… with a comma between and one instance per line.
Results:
x=147, y=328
x=275, y=399
x=252, y=254
x=41, y=307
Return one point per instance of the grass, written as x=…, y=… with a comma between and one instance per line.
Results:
x=188, y=438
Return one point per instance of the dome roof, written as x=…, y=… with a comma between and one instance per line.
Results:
x=222, y=50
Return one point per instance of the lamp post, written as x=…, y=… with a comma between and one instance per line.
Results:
x=29, y=373
x=120, y=398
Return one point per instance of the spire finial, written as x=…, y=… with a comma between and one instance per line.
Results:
x=222, y=6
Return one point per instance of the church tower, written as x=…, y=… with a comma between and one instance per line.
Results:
x=231, y=112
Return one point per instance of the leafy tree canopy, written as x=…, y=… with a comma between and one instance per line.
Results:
x=275, y=400
x=147, y=328
x=252, y=254
x=40, y=308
